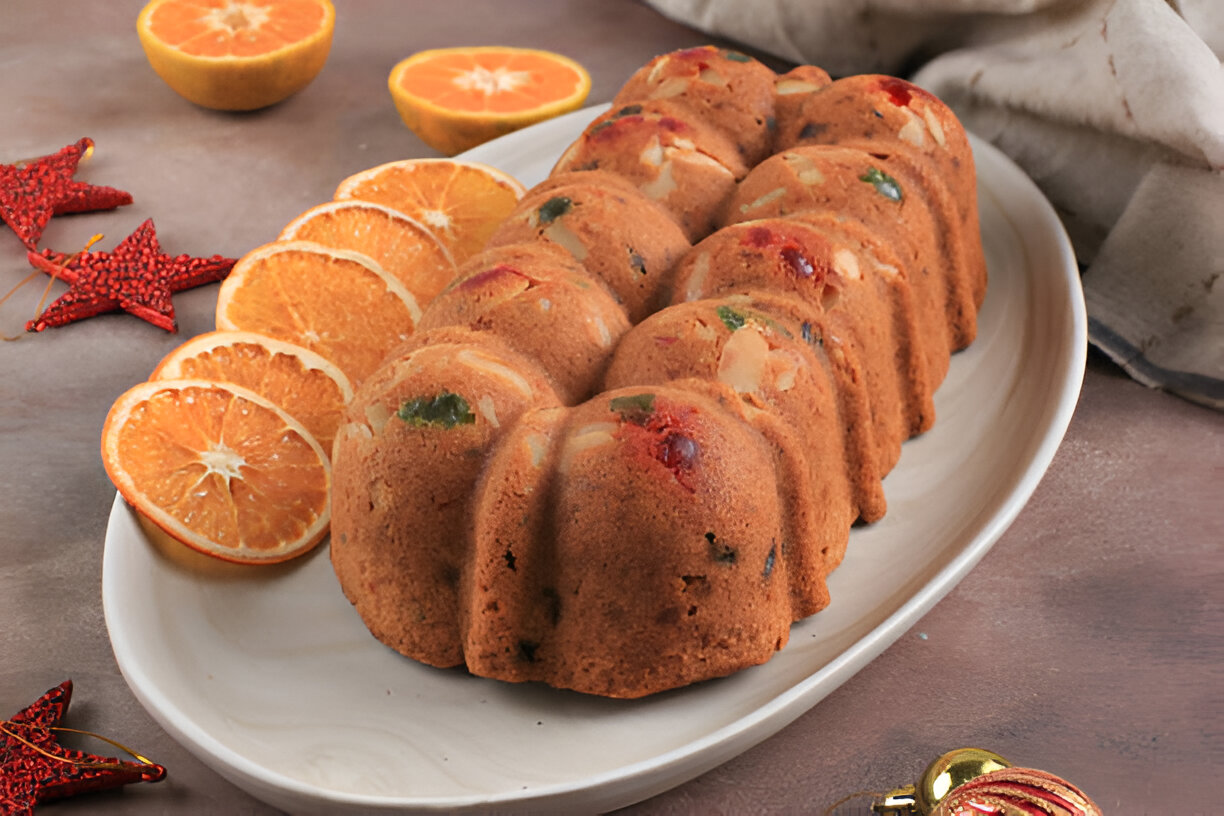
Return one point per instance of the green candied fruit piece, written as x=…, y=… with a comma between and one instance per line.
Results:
x=736, y=56
x=735, y=320
x=554, y=208
x=732, y=319
x=445, y=410
x=634, y=408
x=885, y=184
x=628, y=110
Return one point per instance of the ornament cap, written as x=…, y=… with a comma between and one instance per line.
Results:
x=899, y=802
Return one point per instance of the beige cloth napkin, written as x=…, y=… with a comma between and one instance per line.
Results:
x=1114, y=107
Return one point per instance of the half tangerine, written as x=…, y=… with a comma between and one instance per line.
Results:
x=457, y=98
x=236, y=54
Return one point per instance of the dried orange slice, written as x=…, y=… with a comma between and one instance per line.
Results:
x=461, y=202
x=457, y=98
x=399, y=244
x=218, y=468
x=236, y=54
x=338, y=303
x=309, y=387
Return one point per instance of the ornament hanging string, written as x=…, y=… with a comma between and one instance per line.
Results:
x=831, y=809
x=42, y=301
x=7, y=726
x=12, y=292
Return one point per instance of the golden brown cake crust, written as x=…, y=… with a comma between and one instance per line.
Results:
x=763, y=334
x=410, y=451
x=728, y=89
x=616, y=233
x=541, y=302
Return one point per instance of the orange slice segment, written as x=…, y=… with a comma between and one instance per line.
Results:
x=461, y=202
x=236, y=54
x=400, y=245
x=310, y=388
x=218, y=468
x=338, y=303
x=457, y=98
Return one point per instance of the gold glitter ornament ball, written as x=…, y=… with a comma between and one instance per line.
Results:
x=1016, y=792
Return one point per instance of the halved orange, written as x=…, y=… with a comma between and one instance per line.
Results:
x=401, y=245
x=457, y=98
x=309, y=387
x=218, y=468
x=338, y=303
x=461, y=202
x=236, y=54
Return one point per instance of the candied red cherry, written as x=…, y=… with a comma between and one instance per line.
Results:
x=678, y=451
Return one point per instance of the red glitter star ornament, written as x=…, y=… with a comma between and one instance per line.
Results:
x=136, y=276
x=31, y=192
x=34, y=767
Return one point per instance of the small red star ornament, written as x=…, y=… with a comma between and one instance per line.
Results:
x=136, y=277
x=34, y=767
x=31, y=192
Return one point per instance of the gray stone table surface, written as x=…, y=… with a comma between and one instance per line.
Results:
x=1088, y=642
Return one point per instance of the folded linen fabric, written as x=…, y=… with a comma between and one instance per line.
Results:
x=1114, y=107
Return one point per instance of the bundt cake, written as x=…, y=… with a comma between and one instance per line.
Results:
x=625, y=447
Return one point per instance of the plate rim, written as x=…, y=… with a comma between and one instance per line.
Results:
x=700, y=754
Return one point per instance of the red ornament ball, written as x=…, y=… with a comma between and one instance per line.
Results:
x=1016, y=792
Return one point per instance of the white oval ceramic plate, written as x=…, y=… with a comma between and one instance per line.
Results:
x=268, y=676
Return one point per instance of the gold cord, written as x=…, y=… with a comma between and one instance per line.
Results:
x=7, y=725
